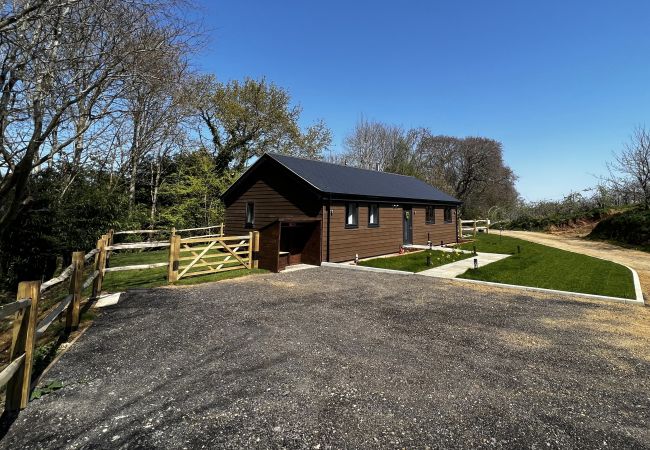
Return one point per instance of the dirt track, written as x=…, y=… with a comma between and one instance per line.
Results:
x=638, y=260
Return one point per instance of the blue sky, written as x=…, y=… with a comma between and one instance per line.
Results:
x=560, y=84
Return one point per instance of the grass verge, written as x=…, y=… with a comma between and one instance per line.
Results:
x=545, y=267
x=148, y=278
x=415, y=261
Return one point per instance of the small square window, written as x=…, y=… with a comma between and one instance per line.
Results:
x=373, y=215
x=448, y=215
x=351, y=215
x=431, y=214
x=250, y=214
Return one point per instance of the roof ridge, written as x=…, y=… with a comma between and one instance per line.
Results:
x=272, y=154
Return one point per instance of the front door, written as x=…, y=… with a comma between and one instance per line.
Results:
x=408, y=226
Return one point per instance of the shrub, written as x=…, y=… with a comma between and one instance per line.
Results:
x=630, y=227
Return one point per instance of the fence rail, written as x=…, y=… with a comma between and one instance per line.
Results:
x=216, y=252
x=473, y=226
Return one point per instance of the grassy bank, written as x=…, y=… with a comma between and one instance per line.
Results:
x=416, y=261
x=147, y=278
x=629, y=229
x=545, y=267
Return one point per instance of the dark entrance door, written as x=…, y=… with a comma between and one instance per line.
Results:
x=408, y=226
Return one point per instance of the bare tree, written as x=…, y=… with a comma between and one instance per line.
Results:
x=472, y=168
x=61, y=65
x=629, y=173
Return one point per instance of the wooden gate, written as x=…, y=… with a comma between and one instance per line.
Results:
x=205, y=255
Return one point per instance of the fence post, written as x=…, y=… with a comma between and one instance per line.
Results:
x=100, y=265
x=109, y=241
x=24, y=337
x=475, y=230
x=72, y=313
x=174, y=254
x=251, y=243
x=256, y=249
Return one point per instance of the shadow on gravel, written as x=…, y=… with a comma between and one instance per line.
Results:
x=349, y=359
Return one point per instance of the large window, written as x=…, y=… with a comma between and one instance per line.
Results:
x=351, y=215
x=373, y=215
x=448, y=215
x=250, y=214
x=431, y=214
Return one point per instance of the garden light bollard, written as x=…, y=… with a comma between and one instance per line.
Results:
x=474, y=247
x=428, y=260
x=475, y=263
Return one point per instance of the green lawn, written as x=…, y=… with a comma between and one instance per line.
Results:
x=416, y=261
x=146, y=278
x=545, y=267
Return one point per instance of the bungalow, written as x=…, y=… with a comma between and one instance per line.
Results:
x=312, y=211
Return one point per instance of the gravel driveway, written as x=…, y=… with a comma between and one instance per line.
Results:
x=331, y=357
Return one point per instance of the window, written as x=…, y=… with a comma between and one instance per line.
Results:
x=431, y=214
x=373, y=215
x=250, y=214
x=351, y=215
x=447, y=215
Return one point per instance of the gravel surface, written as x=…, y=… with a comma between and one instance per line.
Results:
x=336, y=358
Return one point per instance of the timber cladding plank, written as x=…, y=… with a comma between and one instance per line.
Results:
x=367, y=241
x=273, y=198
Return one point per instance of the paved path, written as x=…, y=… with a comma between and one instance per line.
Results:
x=452, y=270
x=335, y=358
x=636, y=259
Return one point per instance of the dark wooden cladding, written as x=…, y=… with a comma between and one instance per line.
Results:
x=439, y=231
x=284, y=204
x=275, y=196
x=270, y=247
x=365, y=241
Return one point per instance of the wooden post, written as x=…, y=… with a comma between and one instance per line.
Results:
x=24, y=338
x=251, y=242
x=221, y=230
x=174, y=254
x=109, y=241
x=100, y=265
x=72, y=313
x=475, y=230
x=256, y=249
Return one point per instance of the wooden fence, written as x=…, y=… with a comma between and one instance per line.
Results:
x=473, y=226
x=16, y=376
x=213, y=251
x=211, y=255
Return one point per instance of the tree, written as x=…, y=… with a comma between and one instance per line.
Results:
x=472, y=169
x=190, y=196
x=247, y=118
x=629, y=173
x=61, y=64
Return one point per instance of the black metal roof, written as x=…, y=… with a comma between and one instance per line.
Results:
x=345, y=180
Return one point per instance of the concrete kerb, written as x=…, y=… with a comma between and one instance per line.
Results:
x=552, y=291
x=366, y=268
x=638, y=292
x=637, y=286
